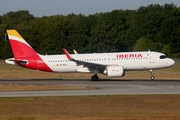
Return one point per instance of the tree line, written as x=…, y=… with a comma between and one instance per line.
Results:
x=154, y=27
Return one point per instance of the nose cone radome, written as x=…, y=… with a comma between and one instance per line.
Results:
x=171, y=62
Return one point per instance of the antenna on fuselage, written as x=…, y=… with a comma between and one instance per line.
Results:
x=149, y=50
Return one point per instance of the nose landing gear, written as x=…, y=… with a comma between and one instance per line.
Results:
x=151, y=73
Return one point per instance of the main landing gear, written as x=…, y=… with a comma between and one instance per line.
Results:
x=151, y=73
x=94, y=77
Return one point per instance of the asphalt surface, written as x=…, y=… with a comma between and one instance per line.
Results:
x=104, y=87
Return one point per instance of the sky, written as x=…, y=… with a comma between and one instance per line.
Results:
x=40, y=8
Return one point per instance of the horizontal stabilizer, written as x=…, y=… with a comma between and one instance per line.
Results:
x=12, y=61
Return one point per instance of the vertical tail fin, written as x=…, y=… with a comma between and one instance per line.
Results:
x=21, y=49
x=24, y=54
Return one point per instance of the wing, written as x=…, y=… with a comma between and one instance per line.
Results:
x=92, y=66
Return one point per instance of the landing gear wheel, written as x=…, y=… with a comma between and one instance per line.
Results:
x=152, y=77
x=151, y=73
x=94, y=78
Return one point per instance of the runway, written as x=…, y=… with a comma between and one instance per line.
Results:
x=103, y=87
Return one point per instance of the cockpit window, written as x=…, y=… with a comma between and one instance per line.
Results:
x=163, y=57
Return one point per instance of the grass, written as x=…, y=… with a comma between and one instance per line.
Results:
x=122, y=107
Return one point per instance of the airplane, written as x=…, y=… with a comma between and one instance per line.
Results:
x=111, y=64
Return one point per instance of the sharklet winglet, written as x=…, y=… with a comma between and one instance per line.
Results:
x=67, y=54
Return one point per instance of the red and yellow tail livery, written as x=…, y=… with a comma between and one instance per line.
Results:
x=24, y=54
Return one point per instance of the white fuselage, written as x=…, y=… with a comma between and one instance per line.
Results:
x=130, y=61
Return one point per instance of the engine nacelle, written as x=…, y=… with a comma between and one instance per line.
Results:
x=115, y=71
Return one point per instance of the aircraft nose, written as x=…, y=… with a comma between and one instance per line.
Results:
x=171, y=62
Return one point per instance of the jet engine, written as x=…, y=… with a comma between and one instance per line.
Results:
x=114, y=71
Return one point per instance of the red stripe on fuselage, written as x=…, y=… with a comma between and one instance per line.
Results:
x=23, y=52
